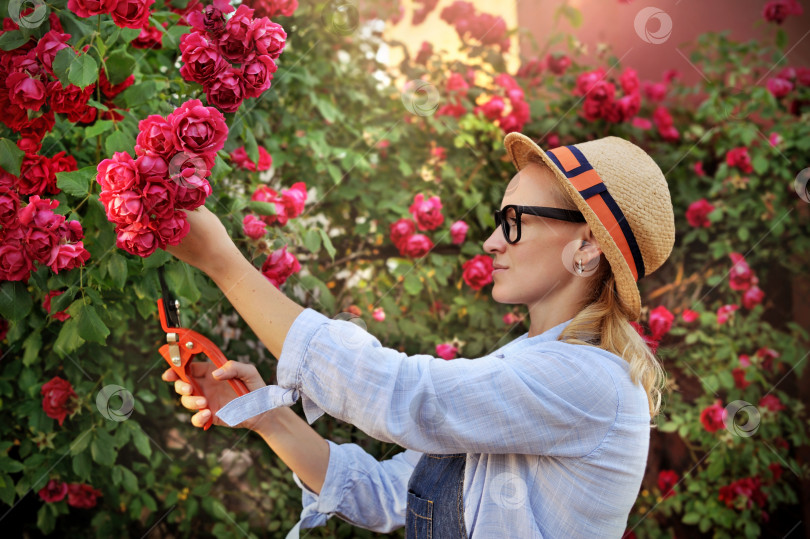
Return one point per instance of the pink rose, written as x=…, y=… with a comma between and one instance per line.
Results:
x=137, y=239
x=629, y=81
x=779, y=87
x=752, y=297
x=511, y=318
x=155, y=137
x=119, y=173
x=190, y=189
x=558, y=63
x=124, y=207
x=457, y=84
x=458, y=232
x=698, y=213
x=775, y=139
x=72, y=231
x=171, y=229
x=724, y=312
x=46, y=305
x=378, y=314
x=738, y=157
x=274, y=8
x=150, y=166
x=651, y=343
x=198, y=129
x=54, y=491
x=415, y=246
x=82, y=496
x=765, y=356
x=660, y=322
x=401, y=231
x=269, y=37
x=202, y=62
x=689, y=315
x=47, y=47
x=40, y=243
x=427, y=213
x=713, y=417
x=253, y=227
x=478, y=271
x=772, y=403
x=699, y=169
x=492, y=109
x=740, y=277
x=446, y=351
x=131, y=13
x=279, y=266
x=68, y=256
x=257, y=75
x=294, y=199
x=211, y=19
x=241, y=160
x=227, y=92
x=15, y=263
x=424, y=54
x=9, y=205
x=88, y=8
x=641, y=123
x=236, y=43
x=58, y=399
x=149, y=38
x=158, y=199
x=738, y=373
x=25, y=91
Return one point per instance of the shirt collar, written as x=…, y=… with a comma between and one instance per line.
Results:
x=550, y=334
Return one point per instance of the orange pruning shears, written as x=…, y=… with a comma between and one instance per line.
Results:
x=183, y=344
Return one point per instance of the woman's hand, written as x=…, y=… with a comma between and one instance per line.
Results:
x=217, y=391
x=207, y=243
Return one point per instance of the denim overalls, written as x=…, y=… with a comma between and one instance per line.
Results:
x=435, y=498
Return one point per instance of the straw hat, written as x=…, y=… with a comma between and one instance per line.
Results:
x=624, y=197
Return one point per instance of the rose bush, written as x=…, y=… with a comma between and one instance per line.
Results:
x=320, y=185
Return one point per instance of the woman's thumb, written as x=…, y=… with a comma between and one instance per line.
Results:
x=246, y=372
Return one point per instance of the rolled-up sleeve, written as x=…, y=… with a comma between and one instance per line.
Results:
x=553, y=399
x=360, y=489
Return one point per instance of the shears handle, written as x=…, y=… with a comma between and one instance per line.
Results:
x=179, y=354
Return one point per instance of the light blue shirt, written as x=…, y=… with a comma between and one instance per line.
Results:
x=556, y=434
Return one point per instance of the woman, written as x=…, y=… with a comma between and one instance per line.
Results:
x=545, y=437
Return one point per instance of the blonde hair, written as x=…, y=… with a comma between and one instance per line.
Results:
x=602, y=321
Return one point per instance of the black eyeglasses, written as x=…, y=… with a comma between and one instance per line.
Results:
x=512, y=212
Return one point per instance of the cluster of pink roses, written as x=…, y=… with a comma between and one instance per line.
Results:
x=600, y=96
x=427, y=215
x=214, y=47
x=483, y=27
x=145, y=197
x=763, y=357
x=742, y=279
x=35, y=233
x=124, y=13
x=79, y=495
x=240, y=159
x=493, y=109
x=788, y=80
x=778, y=10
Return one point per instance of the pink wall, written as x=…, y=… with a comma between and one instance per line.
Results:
x=611, y=22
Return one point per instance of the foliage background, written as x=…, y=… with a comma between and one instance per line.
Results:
x=323, y=121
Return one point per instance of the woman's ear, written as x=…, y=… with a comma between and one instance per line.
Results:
x=590, y=245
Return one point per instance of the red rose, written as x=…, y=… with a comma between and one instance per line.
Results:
x=155, y=137
x=279, y=266
x=131, y=13
x=9, y=204
x=211, y=20
x=35, y=176
x=54, y=491
x=136, y=239
x=191, y=190
x=227, y=92
x=119, y=173
x=778, y=10
x=446, y=351
x=776, y=471
x=492, y=109
x=241, y=160
x=62, y=162
x=660, y=322
x=15, y=263
x=667, y=479
x=427, y=213
x=401, y=231
x=253, y=227
x=478, y=271
x=269, y=37
x=171, y=230
x=741, y=493
x=257, y=75
x=198, y=129
x=58, y=399
x=724, y=312
x=26, y=91
x=47, y=47
x=456, y=110
x=740, y=277
x=293, y=199
x=111, y=90
x=738, y=157
x=202, y=62
x=46, y=305
x=558, y=63
x=149, y=38
x=236, y=43
x=713, y=417
x=458, y=231
x=752, y=297
x=689, y=316
x=766, y=357
x=40, y=243
x=88, y=8
x=415, y=246
x=739, y=378
x=779, y=87
x=68, y=256
x=82, y=496
x=274, y=8
x=698, y=213
x=72, y=231
x=158, y=198
x=629, y=81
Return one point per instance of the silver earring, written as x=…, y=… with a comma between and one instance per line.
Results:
x=580, y=269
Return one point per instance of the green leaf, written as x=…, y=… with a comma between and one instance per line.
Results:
x=76, y=183
x=117, y=270
x=46, y=520
x=760, y=164
x=327, y=243
x=15, y=301
x=68, y=339
x=691, y=518
x=81, y=442
x=412, y=284
x=156, y=259
x=312, y=240
x=12, y=39
x=98, y=128
x=83, y=71
x=6, y=489
x=120, y=141
x=251, y=147
x=128, y=34
x=119, y=65
x=32, y=345
x=141, y=441
x=82, y=465
x=102, y=449
x=129, y=480
x=781, y=39
x=262, y=208
x=10, y=157
x=61, y=65
x=221, y=169
x=90, y=326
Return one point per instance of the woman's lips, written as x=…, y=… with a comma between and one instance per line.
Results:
x=496, y=270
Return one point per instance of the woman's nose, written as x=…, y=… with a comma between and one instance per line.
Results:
x=495, y=242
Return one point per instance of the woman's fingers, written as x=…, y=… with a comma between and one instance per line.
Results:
x=169, y=375
x=200, y=418
x=193, y=402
